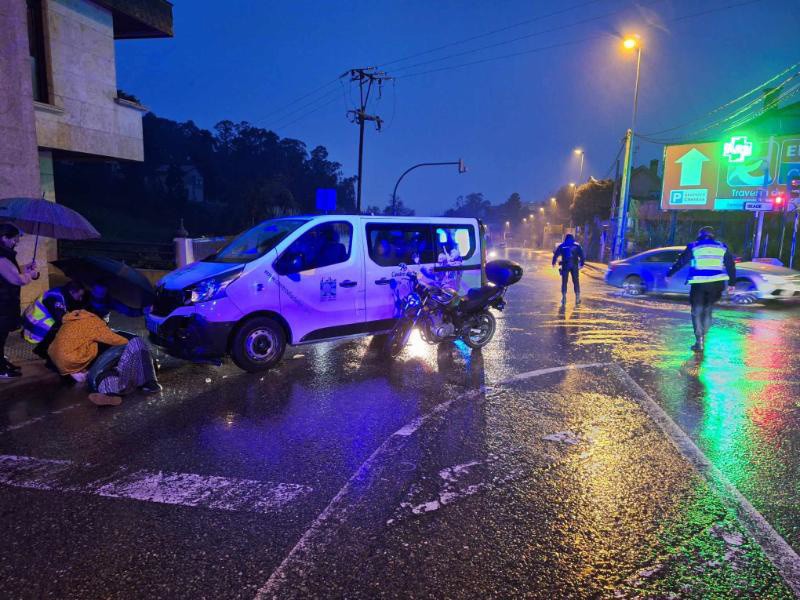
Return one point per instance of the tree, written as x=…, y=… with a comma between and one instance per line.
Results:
x=473, y=205
x=397, y=207
x=512, y=209
x=592, y=199
x=248, y=173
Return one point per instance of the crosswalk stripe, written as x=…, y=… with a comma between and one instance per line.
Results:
x=183, y=489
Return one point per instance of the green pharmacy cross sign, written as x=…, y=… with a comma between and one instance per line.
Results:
x=738, y=149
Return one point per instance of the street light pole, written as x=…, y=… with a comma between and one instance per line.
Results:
x=461, y=169
x=625, y=187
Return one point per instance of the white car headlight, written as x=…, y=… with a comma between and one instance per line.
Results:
x=211, y=288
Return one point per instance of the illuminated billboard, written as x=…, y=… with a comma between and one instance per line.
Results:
x=737, y=173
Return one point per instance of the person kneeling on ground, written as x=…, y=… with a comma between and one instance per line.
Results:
x=77, y=345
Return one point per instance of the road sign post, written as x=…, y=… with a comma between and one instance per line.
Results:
x=760, y=227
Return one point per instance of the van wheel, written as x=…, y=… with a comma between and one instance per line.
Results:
x=258, y=344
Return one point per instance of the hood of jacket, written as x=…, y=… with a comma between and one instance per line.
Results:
x=79, y=315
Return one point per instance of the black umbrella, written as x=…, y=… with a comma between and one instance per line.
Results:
x=38, y=216
x=125, y=284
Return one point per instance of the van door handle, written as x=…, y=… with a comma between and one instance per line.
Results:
x=348, y=283
x=383, y=281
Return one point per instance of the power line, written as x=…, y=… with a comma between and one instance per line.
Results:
x=739, y=114
x=302, y=97
x=307, y=105
x=572, y=42
x=503, y=56
x=757, y=88
x=488, y=33
x=525, y=37
x=308, y=113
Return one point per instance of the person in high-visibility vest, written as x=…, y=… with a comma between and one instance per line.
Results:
x=41, y=320
x=711, y=267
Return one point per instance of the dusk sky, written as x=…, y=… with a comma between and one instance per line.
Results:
x=514, y=120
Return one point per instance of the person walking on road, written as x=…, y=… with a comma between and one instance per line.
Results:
x=712, y=265
x=572, y=260
x=12, y=278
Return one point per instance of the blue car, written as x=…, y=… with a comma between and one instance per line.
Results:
x=645, y=273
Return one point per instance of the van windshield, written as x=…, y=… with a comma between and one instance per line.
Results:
x=256, y=242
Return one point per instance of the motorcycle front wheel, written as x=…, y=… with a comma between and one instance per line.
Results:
x=479, y=330
x=398, y=338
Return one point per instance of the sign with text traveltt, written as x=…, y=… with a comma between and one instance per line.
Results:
x=732, y=174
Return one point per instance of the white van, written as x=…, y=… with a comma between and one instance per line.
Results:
x=305, y=279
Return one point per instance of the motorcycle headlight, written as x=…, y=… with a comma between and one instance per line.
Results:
x=211, y=288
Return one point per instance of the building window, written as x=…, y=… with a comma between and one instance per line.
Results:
x=36, y=37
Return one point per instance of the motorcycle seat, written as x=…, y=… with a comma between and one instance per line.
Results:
x=478, y=297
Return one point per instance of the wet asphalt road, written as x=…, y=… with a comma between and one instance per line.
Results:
x=448, y=473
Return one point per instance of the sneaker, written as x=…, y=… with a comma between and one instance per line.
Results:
x=151, y=387
x=99, y=399
x=9, y=373
x=10, y=365
x=699, y=345
x=578, y=299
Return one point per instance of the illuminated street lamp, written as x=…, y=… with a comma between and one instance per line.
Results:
x=631, y=42
x=541, y=209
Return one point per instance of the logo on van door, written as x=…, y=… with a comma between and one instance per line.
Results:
x=327, y=289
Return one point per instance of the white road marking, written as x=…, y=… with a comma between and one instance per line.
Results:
x=777, y=549
x=183, y=489
x=37, y=419
x=338, y=505
x=538, y=372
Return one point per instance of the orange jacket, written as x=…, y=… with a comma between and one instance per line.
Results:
x=76, y=343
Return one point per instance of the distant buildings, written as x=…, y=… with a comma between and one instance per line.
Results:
x=58, y=91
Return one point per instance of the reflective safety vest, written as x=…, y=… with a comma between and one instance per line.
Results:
x=708, y=262
x=37, y=320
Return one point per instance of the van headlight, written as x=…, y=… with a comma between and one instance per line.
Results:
x=211, y=288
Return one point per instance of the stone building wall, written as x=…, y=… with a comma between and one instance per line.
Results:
x=84, y=114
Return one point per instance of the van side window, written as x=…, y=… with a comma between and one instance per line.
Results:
x=390, y=244
x=455, y=241
x=321, y=246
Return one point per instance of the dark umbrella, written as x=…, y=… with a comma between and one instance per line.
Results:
x=42, y=217
x=125, y=284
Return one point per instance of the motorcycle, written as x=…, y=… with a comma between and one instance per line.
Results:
x=441, y=314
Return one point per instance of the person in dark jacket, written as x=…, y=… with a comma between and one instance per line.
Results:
x=572, y=260
x=12, y=278
x=712, y=265
x=41, y=320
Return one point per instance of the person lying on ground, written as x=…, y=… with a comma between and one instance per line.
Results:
x=77, y=345
x=121, y=370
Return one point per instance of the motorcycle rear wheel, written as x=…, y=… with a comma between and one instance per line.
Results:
x=480, y=329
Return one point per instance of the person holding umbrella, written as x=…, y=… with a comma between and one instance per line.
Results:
x=12, y=278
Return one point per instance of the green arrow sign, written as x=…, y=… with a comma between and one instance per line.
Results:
x=692, y=167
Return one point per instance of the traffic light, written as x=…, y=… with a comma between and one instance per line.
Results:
x=779, y=202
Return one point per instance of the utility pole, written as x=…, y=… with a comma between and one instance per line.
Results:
x=366, y=78
x=625, y=186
